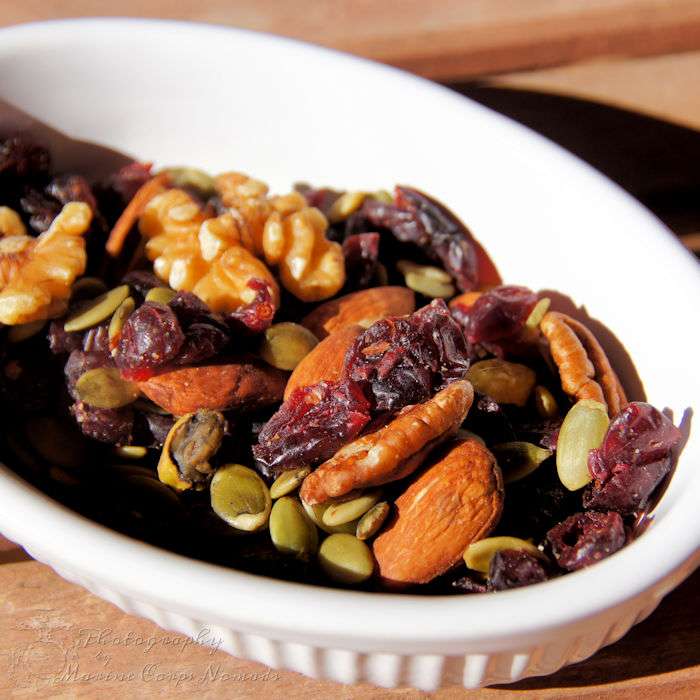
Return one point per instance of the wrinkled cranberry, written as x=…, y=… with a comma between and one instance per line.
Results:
x=111, y=425
x=585, y=538
x=633, y=459
x=71, y=188
x=22, y=158
x=61, y=341
x=405, y=360
x=320, y=197
x=311, y=425
x=42, y=207
x=361, y=258
x=512, y=568
x=202, y=341
x=256, y=316
x=129, y=179
x=142, y=281
x=159, y=426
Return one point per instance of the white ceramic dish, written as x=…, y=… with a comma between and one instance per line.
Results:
x=284, y=111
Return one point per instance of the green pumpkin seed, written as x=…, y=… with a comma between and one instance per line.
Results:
x=371, y=522
x=545, y=403
x=342, y=512
x=348, y=203
x=427, y=280
x=538, y=312
x=58, y=441
x=382, y=196
x=288, y=481
x=518, y=459
x=193, y=178
x=504, y=382
x=161, y=295
x=104, y=387
x=98, y=310
x=316, y=512
x=478, y=555
x=583, y=429
x=131, y=451
x=240, y=497
x=87, y=288
x=291, y=529
x=122, y=312
x=285, y=345
x=346, y=559
x=24, y=331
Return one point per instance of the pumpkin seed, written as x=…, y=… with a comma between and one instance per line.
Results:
x=316, y=512
x=346, y=559
x=348, y=203
x=538, y=312
x=24, y=331
x=478, y=555
x=240, y=497
x=371, y=522
x=87, y=288
x=291, y=529
x=346, y=511
x=131, y=451
x=427, y=280
x=57, y=441
x=382, y=196
x=288, y=481
x=583, y=429
x=193, y=178
x=160, y=295
x=122, y=312
x=518, y=459
x=104, y=387
x=98, y=310
x=504, y=382
x=286, y=344
x=545, y=403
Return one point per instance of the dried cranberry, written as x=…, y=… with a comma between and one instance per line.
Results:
x=202, y=341
x=256, y=316
x=71, y=188
x=159, y=426
x=361, y=259
x=129, y=179
x=633, y=459
x=322, y=198
x=489, y=421
x=60, y=341
x=585, y=538
x=23, y=159
x=40, y=208
x=404, y=360
x=311, y=425
x=512, y=568
x=543, y=432
x=111, y=425
x=142, y=281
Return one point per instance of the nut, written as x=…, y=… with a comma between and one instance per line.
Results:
x=504, y=382
x=192, y=178
x=243, y=385
x=430, y=281
x=348, y=203
x=371, y=522
x=24, y=331
x=394, y=451
x=346, y=559
x=457, y=500
x=240, y=497
x=584, y=369
x=325, y=361
x=11, y=223
x=361, y=308
x=478, y=555
x=285, y=345
x=291, y=529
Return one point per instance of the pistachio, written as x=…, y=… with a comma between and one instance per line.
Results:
x=345, y=511
x=583, y=429
x=192, y=178
x=518, y=459
x=87, y=288
x=131, y=451
x=161, y=295
x=288, y=481
x=371, y=522
x=348, y=203
x=504, y=382
x=97, y=310
x=240, y=497
x=291, y=529
x=427, y=280
x=24, y=331
x=346, y=559
x=538, y=312
x=104, y=387
x=478, y=555
x=190, y=444
x=285, y=345
x=545, y=403
x=315, y=512
x=122, y=312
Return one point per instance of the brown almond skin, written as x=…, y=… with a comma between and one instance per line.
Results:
x=237, y=385
x=457, y=500
x=325, y=362
x=362, y=308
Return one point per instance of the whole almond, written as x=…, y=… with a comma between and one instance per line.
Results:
x=362, y=308
x=457, y=500
x=236, y=385
x=325, y=361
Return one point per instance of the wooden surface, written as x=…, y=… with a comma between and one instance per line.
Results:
x=450, y=39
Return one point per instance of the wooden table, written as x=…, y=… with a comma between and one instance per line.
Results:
x=630, y=106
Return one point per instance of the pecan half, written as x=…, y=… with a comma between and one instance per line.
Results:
x=457, y=500
x=394, y=451
x=584, y=369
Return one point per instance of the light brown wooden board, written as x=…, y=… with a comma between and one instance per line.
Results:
x=451, y=39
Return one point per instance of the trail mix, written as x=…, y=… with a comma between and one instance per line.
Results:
x=324, y=386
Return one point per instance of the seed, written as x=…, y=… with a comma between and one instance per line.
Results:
x=285, y=345
x=131, y=451
x=346, y=559
x=240, y=497
x=545, y=403
x=103, y=387
x=288, y=481
x=348, y=203
x=343, y=512
x=583, y=429
x=382, y=196
x=316, y=512
x=291, y=529
x=87, y=288
x=97, y=310
x=538, y=312
x=57, y=441
x=504, y=382
x=161, y=295
x=118, y=320
x=193, y=178
x=371, y=522
x=478, y=555
x=24, y=331
x=518, y=459
x=427, y=280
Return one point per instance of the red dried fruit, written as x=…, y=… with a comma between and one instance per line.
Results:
x=22, y=158
x=258, y=315
x=141, y=281
x=361, y=252
x=129, y=179
x=60, y=341
x=43, y=206
x=110, y=425
x=512, y=568
x=585, y=538
x=634, y=457
x=311, y=425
